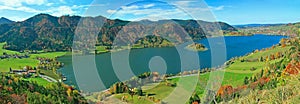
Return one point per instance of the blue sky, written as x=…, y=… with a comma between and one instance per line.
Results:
x=230, y=11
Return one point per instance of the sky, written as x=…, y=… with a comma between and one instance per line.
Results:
x=234, y=12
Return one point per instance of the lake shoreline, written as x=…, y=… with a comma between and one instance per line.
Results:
x=134, y=48
x=141, y=49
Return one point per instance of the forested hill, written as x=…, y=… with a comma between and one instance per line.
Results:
x=5, y=21
x=50, y=33
x=256, y=25
x=290, y=29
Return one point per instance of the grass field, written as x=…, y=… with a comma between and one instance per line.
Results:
x=229, y=78
x=235, y=73
x=266, y=53
x=48, y=55
x=101, y=49
x=160, y=91
x=50, y=73
x=13, y=63
x=134, y=100
x=16, y=63
x=39, y=81
x=244, y=67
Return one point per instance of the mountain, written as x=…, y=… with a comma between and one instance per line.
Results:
x=256, y=25
x=50, y=33
x=5, y=21
x=291, y=29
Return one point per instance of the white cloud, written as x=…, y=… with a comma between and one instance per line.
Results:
x=151, y=14
x=149, y=5
x=159, y=14
x=183, y=3
x=22, y=8
x=111, y=11
x=49, y=4
x=190, y=5
x=48, y=7
x=217, y=8
x=18, y=18
x=62, y=10
x=87, y=6
x=11, y=2
x=132, y=7
x=56, y=11
x=187, y=10
x=35, y=2
x=62, y=1
x=17, y=3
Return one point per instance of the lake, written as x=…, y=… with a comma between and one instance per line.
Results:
x=162, y=60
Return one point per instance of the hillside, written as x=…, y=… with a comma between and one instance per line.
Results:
x=5, y=21
x=50, y=33
x=256, y=25
x=290, y=29
x=286, y=94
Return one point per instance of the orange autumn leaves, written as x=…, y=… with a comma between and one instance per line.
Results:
x=292, y=68
x=225, y=90
x=228, y=90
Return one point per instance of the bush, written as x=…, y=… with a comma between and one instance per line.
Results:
x=253, y=69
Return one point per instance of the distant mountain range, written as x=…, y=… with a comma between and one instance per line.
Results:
x=5, y=21
x=255, y=25
x=46, y=32
x=291, y=29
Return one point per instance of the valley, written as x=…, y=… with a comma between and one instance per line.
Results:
x=39, y=54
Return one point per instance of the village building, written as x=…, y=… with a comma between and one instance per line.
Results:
x=23, y=71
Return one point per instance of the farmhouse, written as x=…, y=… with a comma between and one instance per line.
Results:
x=23, y=71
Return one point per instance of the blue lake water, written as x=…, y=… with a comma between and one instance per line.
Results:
x=139, y=58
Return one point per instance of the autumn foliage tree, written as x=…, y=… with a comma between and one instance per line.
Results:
x=292, y=68
x=225, y=92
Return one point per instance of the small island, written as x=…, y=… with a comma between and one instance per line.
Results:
x=196, y=47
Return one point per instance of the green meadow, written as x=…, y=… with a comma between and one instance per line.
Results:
x=268, y=52
x=16, y=63
x=38, y=80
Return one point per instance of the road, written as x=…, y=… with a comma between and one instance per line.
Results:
x=49, y=79
x=180, y=76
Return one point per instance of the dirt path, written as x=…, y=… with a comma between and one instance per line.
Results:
x=49, y=79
